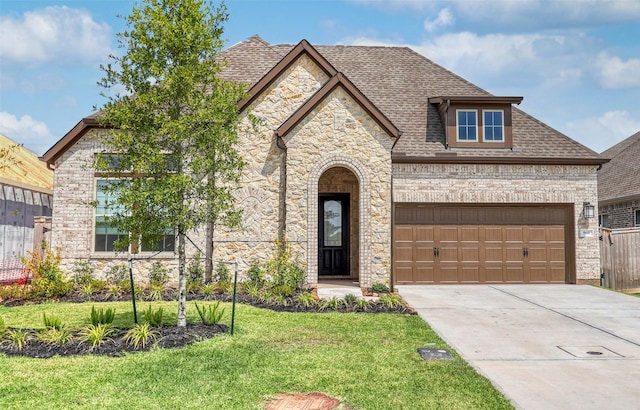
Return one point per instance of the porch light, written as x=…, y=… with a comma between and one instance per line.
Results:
x=588, y=210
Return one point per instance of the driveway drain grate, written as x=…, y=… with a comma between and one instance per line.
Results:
x=591, y=352
x=434, y=354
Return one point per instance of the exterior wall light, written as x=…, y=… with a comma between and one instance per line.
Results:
x=588, y=210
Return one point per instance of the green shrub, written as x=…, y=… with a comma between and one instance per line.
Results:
x=18, y=338
x=211, y=314
x=350, y=299
x=222, y=273
x=154, y=318
x=58, y=337
x=330, y=304
x=42, y=287
x=306, y=299
x=208, y=289
x=256, y=273
x=95, y=335
x=252, y=289
x=3, y=327
x=285, y=267
x=379, y=287
x=158, y=274
x=83, y=272
x=362, y=304
x=52, y=322
x=392, y=301
x=195, y=271
x=48, y=279
x=283, y=290
x=140, y=335
x=101, y=316
x=116, y=274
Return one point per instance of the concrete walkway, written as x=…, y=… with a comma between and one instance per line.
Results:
x=543, y=346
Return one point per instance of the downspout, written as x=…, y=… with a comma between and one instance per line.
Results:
x=283, y=191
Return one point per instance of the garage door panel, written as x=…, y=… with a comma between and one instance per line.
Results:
x=449, y=274
x=493, y=274
x=513, y=234
x=470, y=274
x=470, y=254
x=404, y=254
x=404, y=274
x=493, y=234
x=423, y=254
x=470, y=234
x=493, y=255
x=482, y=253
x=423, y=233
x=424, y=274
x=513, y=254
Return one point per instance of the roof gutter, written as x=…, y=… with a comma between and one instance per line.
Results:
x=452, y=158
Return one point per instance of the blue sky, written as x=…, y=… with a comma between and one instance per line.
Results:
x=575, y=62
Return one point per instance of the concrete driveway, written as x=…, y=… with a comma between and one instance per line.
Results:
x=543, y=346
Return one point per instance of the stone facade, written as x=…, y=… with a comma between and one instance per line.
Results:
x=284, y=186
x=509, y=184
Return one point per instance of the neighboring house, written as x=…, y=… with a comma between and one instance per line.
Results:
x=378, y=166
x=26, y=189
x=619, y=185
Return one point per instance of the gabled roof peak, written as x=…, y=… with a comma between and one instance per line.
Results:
x=303, y=47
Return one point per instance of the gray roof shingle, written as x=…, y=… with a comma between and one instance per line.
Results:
x=618, y=178
x=399, y=82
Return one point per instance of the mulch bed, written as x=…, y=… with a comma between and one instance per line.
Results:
x=169, y=337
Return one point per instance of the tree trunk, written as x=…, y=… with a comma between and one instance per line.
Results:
x=208, y=257
x=182, y=280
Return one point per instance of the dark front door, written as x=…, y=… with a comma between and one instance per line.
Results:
x=333, y=238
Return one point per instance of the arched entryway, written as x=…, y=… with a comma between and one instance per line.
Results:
x=341, y=174
x=338, y=223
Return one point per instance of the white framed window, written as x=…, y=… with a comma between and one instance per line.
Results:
x=603, y=221
x=636, y=219
x=106, y=235
x=467, y=125
x=493, y=125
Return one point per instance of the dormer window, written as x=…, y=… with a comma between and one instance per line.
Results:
x=467, y=125
x=476, y=122
x=493, y=125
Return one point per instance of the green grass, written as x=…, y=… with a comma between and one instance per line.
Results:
x=366, y=360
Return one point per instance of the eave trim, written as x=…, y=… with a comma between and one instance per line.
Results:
x=69, y=139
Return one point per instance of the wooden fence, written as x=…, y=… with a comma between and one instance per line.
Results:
x=620, y=258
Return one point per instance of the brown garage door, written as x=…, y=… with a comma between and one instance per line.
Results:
x=504, y=245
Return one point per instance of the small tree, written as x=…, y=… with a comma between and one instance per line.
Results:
x=172, y=149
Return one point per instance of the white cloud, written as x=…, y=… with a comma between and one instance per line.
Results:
x=520, y=13
x=445, y=18
x=601, y=133
x=616, y=73
x=58, y=35
x=31, y=133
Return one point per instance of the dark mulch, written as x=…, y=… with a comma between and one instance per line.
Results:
x=168, y=337
x=290, y=304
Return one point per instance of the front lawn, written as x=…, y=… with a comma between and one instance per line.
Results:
x=366, y=360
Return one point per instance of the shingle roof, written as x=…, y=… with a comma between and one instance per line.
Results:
x=618, y=178
x=24, y=169
x=399, y=82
